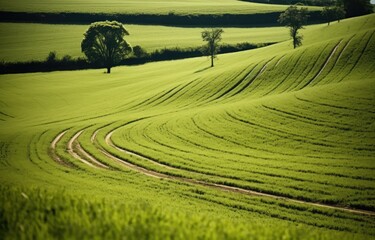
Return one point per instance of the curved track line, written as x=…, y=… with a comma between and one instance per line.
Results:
x=82, y=152
x=218, y=186
x=57, y=139
x=278, y=61
x=259, y=73
x=85, y=154
x=343, y=50
x=53, y=150
x=135, y=167
x=111, y=144
x=71, y=151
x=324, y=65
x=238, y=82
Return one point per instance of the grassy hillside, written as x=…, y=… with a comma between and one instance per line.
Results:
x=271, y=143
x=143, y=6
x=43, y=38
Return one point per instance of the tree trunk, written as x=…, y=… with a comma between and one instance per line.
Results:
x=108, y=70
x=212, y=60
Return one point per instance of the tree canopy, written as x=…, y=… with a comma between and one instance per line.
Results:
x=355, y=8
x=104, y=44
x=212, y=37
x=333, y=13
x=294, y=18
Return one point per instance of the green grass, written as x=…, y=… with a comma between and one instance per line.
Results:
x=144, y=6
x=68, y=216
x=43, y=38
x=293, y=123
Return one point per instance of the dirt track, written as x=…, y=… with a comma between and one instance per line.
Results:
x=73, y=142
x=221, y=186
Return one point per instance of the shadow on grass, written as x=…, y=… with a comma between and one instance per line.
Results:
x=202, y=70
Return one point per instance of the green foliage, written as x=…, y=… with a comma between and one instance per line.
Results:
x=212, y=37
x=52, y=57
x=303, y=2
x=104, y=44
x=335, y=13
x=294, y=18
x=139, y=52
x=42, y=214
x=355, y=8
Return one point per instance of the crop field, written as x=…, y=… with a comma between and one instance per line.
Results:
x=44, y=38
x=272, y=143
x=142, y=6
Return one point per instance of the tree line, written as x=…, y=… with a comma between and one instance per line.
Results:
x=104, y=43
x=53, y=62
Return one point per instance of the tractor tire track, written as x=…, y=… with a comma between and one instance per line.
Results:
x=323, y=66
x=281, y=82
x=260, y=72
x=221, y=186
x=74, y=154
x=54, y=155
x=238, y=82
x=76, y=151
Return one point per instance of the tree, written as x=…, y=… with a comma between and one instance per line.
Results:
x=139, y=52
x=52, y=57
x=294, y=18
x=104, y=44
x=212, y=37
x=355, y=8
x=335, y=13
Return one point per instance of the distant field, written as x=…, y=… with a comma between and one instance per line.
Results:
x=22, y=42
x=142, y=6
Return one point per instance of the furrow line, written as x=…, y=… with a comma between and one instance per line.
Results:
x=323, y=66
x=238, y=82
x=52, y=150
x=260, y=172
x=333, y=106
x=225, y=187
x=73, y=153
x=286, y=75
x=194, y=144
x=310, y=121
x=278, y=61
x=254, y=78
x=132, y=153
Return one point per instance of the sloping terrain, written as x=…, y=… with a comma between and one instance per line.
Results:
x=277, y=134
x=144, y=6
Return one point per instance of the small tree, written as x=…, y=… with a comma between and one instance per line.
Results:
x=339, y=13
x=335, y=13
x=52, y=57
x=104, y=44
x=212, y=37
x=139, y=52
x=294, y=18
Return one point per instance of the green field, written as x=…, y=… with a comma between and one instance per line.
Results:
x=273, y=143
x=44, y=38
x=143, y=6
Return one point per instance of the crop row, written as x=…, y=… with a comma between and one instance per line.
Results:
x=295, y=212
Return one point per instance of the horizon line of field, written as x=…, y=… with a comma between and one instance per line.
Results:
x=197, y=20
